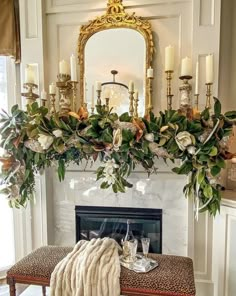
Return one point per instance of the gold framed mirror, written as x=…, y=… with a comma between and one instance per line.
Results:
x=121, y=29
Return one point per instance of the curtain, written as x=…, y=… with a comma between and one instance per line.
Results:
x=10, y=29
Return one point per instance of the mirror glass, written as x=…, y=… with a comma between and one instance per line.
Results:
x=122, y=51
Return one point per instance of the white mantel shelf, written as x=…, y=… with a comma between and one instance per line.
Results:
x=229, y=198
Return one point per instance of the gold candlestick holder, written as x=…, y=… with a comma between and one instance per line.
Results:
x=85, y=105
x=150, y=92
x=136, y=100
x=52, y=104
x=169, y=91
x=196, y=101
x=43, y=102
x=99, y=101
x=30, y=96
x=107, y=104
x=74, y=95
x=92, y=110
x=131, y=103
x=208, y=95
x=64, y=86
x=185, y=92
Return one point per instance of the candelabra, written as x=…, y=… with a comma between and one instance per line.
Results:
x=185, y=92
x=52, y=104
x=169, y=94
x=136, y=100
x=74, y=95
x=99, y=101
x=64, y=86
x=208, y=95
x=150, y=91
x=131, y=103
x=30, y=96
x=107, y=103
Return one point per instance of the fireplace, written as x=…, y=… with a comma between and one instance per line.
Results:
x=99, y=222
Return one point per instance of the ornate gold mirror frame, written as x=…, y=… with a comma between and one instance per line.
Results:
x=115, y=17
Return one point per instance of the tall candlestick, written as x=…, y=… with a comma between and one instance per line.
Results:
x=186, y=67
x=150, y=73
x=64, y=68
x=169, y=58
x=209, y=69
x=52, y=89
x=85, y=90
x=136, y=100
x=73, y=70
x=93, y=96
x=169, y=91
x=131, y=86
x=197, y=79
x=29, y=75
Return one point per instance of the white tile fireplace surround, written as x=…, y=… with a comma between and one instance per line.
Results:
x=161, y=191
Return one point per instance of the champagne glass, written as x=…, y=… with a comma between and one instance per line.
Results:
x=145, y=245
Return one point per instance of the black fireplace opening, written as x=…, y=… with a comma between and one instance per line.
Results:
x=99, y=222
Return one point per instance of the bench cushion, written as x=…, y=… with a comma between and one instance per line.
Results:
x=173, y=276
x=40, y=263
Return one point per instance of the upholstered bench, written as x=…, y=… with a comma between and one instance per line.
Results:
x=173, y=277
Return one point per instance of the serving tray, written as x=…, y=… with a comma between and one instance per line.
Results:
x=140, y=264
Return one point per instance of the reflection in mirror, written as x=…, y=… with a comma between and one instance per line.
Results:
x=122, y=51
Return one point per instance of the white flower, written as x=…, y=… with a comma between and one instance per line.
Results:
x=183, y=140
x=45, y=141
x=110, y=179
x=149, y=137
x=117, y=139
x=191, y=150
x=109, y=165
x=57, y=133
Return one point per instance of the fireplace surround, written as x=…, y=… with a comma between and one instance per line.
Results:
x=99, y=222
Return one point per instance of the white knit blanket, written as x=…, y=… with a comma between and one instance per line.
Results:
x=91, y=269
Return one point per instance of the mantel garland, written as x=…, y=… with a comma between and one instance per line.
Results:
x=34, y=140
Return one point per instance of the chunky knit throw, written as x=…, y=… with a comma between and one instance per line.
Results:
x=91, y=269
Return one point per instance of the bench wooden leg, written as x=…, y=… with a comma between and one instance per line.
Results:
x=44, y=290
x=12, y=286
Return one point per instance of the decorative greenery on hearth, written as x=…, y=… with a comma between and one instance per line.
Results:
x=33, y=140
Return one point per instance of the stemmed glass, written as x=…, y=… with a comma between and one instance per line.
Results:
x=145, y=244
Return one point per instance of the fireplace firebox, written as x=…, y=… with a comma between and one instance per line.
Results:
x=99, y=222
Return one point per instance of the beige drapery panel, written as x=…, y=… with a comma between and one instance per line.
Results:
x=10, y=29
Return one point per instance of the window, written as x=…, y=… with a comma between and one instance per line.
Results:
x=7, y=249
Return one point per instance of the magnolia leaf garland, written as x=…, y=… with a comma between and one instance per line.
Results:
x=34, y=140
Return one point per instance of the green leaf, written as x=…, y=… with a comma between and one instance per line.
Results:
x=127, y=135
x=207, y=191
x=214, y=151
x=221, y=162
x=200, y=177
x=105, y=185
x=92, y=133
x=185, y=169
x=205, y=114
x=231, y=114
x=215, y=170
x=125, y=117
x=217, y=107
